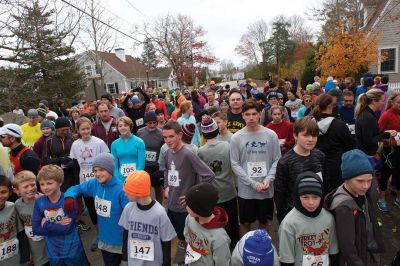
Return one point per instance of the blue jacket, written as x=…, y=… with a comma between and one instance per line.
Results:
x=109, y=231
x=62, y=241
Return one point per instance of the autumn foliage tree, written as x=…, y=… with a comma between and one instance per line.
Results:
x=347, y=53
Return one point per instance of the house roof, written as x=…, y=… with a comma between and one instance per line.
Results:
x=379, y=8
x=130, y=69
x=161, y=73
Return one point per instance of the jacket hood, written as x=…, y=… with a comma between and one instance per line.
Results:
x=296, y=197
x=324, y=124
x=339, y=197
x=220, y=219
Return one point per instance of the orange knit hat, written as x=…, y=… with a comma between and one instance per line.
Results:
x=137, y=184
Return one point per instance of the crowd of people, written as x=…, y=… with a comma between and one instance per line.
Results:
x=221, y=161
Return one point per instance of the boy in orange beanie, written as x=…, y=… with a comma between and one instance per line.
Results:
x=146, y=223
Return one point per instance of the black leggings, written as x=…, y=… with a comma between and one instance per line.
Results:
x=390, y=167
x=89, y=202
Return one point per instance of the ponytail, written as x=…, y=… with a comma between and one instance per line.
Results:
x=321, y=104
x=365, y=99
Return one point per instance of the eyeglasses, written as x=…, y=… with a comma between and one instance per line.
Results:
x=152, y=122
x=3, y=136
x=307, y=101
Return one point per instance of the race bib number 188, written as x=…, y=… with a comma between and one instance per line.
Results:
x=8, y=249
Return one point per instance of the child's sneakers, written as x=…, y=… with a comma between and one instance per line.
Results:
x=95, y=245
x=397, y=202
x=82, y=225
x=382, y=205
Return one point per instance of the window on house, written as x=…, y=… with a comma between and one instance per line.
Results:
x=389, y=64
x=89, y=70
x=110, y=87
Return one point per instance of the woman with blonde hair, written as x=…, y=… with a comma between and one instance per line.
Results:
x=185, y=116
x=390, y=120
x=368, y=133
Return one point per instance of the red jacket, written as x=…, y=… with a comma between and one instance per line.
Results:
x=98, y=130
x=390, y=120
x=284, y=130
x=160, y=105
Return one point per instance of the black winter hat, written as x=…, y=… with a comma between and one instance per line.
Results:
x=202, y=198
x=62, y=122
x=107, y=96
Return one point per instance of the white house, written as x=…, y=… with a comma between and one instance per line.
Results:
x=120, y=72
x=383, y=17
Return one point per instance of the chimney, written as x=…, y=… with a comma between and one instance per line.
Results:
x=120, y=53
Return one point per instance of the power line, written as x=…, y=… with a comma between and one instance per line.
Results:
x=102, y=22
x=137, y=9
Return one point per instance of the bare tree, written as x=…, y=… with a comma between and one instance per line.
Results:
x=97, y=37
x=180, y=44
x=249, y=44
x=299, y=32
x=227, y=68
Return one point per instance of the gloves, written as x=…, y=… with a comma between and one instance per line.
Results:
x=70, y=205
x=65, y=160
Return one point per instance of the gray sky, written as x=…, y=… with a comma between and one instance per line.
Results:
x=224, y=20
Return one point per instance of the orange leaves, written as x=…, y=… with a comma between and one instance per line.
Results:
x=346, y=53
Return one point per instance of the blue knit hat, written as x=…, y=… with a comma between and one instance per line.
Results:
x=258, y=250
x=150, y=116
x=135, y=99
x=355, y=163
x=47, y=124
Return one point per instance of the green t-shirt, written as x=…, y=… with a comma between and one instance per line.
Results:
x=36, y=243
x=302, y=235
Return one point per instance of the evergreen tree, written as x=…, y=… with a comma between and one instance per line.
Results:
x=43, y=57
x=310, y=70
x=279, y=48
x=149, y=55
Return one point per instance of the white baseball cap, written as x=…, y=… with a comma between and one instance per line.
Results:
x=11, y=130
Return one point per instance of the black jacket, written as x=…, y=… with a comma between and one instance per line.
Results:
x=334, y=139
x=351, y=227
x=368, y=133
x=56, y=151
x=136, y=115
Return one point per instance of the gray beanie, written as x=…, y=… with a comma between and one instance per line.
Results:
x=104, y=160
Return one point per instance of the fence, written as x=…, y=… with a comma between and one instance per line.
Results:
x=394, y=86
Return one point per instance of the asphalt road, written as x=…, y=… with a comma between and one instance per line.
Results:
x=390, y=229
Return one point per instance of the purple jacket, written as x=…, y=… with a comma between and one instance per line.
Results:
x=38, y=146
x=98, y=130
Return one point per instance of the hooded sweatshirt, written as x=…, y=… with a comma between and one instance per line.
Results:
x=306, y=233
x=110, y=201
x=351, y=225
x=208, y=243
x=334, y=139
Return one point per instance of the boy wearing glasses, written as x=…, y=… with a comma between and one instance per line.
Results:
x=153, y=140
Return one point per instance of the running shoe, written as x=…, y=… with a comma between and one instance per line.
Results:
x=382, y=205
x=82, y=225
x=85, y=211
x=397, y=202
x=95, y=245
